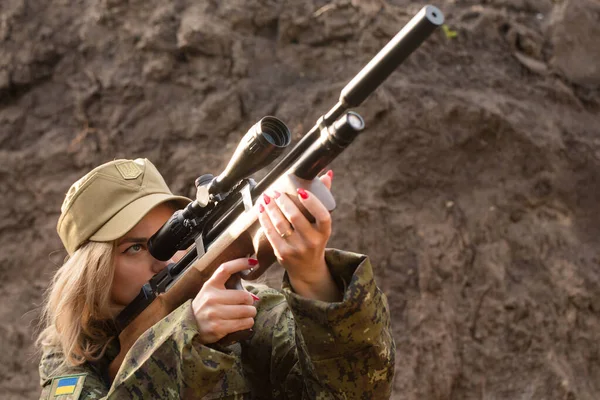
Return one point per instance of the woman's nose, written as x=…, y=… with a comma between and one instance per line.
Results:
x=158, y=265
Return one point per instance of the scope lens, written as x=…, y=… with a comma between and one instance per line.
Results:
x=268, y=136
x=275, y=131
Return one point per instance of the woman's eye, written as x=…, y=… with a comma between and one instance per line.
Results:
x=133, y=249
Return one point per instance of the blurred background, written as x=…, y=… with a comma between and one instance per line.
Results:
x=475, y=187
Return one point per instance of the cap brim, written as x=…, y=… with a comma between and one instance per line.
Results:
x=123, y=221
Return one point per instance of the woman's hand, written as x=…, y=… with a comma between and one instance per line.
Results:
x=220, y=311
x=298, y=244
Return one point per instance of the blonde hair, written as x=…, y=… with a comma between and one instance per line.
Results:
x=78, y=304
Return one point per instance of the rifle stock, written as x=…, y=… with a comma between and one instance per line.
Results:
x=242, y=238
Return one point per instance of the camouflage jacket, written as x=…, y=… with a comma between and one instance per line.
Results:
x=301, y=349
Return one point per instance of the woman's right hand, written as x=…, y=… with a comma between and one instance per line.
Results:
x=220, y=311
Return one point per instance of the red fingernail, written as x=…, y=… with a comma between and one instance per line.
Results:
x=303, y=193
x=276, y=194
x=330, y=173
x=252, y=261
x=266, y=199
x=261, y=208
x=255, y=297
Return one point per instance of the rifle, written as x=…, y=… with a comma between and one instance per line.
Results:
x=221, y=224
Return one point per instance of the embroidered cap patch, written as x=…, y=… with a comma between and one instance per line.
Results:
x=70, y=385
x=129, y=169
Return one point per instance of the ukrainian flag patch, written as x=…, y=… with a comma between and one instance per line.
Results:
x=67, y=387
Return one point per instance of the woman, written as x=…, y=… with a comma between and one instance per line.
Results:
x=325, y=335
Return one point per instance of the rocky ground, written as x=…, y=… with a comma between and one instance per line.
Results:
x=474, y=189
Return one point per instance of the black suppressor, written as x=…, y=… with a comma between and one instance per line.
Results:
x=397, y=50
x=410, y=37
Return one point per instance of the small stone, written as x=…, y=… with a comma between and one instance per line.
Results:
x=574, y=35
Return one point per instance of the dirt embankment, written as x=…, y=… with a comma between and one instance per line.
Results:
x=475, y=188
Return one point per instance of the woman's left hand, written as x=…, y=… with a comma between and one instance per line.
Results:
x=298, y=244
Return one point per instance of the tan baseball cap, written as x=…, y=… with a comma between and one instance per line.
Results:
x=110, y=200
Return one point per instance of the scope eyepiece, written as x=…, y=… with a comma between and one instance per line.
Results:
x=174, y=235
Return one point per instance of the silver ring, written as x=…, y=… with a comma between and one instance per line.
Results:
x=286, y=234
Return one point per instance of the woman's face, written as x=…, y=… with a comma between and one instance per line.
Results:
x=134, y=265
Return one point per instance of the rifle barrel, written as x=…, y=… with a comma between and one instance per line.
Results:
x=414, y=33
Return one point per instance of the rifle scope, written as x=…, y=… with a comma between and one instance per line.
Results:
x=261, y=145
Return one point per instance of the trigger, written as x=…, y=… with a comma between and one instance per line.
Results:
x=234, y=282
